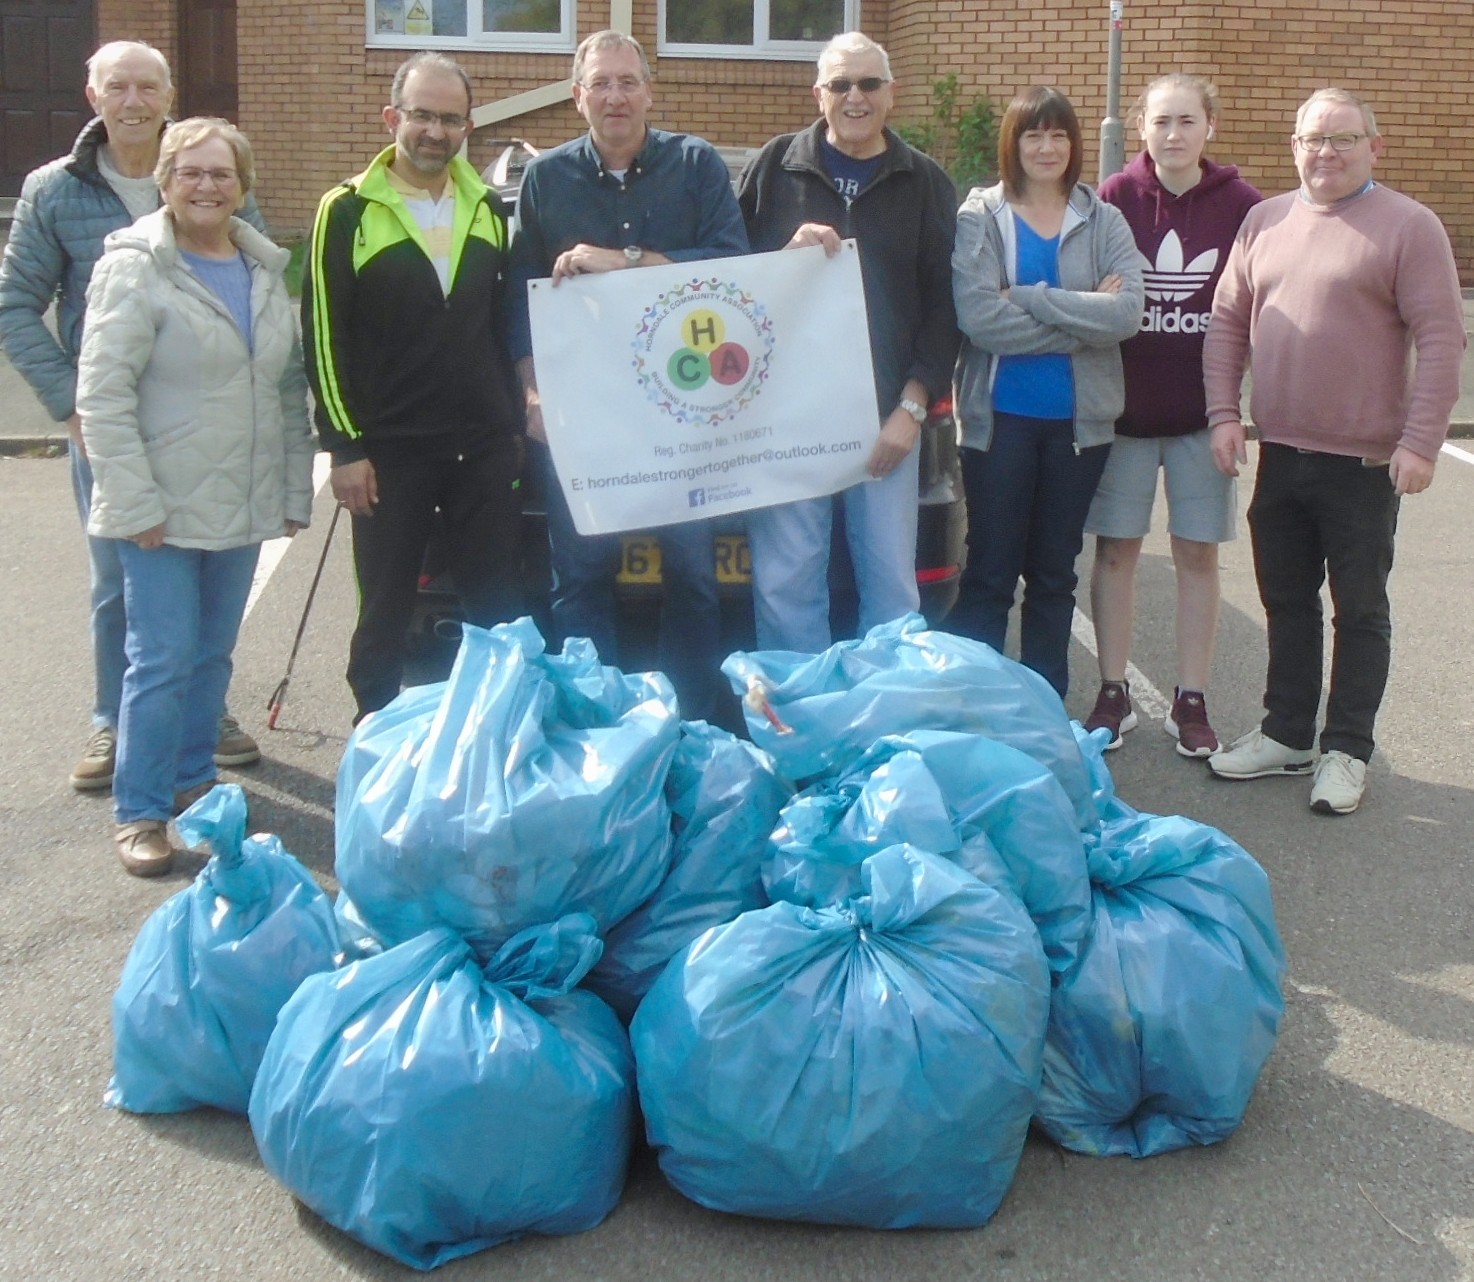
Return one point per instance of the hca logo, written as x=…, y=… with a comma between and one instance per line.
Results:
x=707, y=354
x=702, y=350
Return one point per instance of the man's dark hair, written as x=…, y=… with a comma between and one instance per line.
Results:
x=438, y=63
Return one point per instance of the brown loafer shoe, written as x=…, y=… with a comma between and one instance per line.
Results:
x=184, y=800
x=143, y=847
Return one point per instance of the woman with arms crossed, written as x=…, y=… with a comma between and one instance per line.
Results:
x=1048, y=282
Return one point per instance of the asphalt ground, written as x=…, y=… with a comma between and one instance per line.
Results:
x=1356, y=1160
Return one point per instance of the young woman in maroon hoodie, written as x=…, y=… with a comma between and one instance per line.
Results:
x=1184, y=212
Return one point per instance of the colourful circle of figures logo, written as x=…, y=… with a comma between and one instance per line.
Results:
x=702, y=351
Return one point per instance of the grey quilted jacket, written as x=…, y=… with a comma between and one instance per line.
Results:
x=65, y=211
x=185, y=426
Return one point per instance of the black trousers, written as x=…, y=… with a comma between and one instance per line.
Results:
x=1315, y=516
x=479, y=498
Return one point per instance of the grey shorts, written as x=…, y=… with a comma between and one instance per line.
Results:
x=1201, y=502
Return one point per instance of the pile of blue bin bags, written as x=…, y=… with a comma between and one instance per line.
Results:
x=838, y=970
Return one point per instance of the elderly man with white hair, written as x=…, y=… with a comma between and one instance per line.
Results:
x=66, y=209
x=848, y=175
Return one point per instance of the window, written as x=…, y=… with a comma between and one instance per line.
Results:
x=753, y=28
x=545, y=25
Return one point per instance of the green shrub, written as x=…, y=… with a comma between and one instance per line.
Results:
x=962, y=139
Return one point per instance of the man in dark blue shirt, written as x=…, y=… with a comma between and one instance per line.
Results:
x=622, y=196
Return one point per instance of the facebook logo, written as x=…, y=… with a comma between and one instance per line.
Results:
x=696, y=498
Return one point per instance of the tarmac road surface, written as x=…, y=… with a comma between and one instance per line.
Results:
x=1356, y=1160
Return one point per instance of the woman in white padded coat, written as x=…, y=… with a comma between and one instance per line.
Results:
x=193, y=405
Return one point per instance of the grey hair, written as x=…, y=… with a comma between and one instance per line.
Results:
x=1346, y=98
x=854, y=42
x=437, y=64
x=106, y=55
x=610, y=39
x=184, y=134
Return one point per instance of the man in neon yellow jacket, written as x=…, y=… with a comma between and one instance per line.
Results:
x=416, y=401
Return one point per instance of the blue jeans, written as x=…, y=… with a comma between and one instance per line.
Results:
x=584, y=570
x=790, y=560
x=109, y=624
x=1315, y=516
x=184, y=612
x=1027, y=497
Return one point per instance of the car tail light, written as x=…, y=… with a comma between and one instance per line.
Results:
x=941, y=407
x=937, y=574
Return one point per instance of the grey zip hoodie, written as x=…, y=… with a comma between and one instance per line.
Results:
x=1073, y=319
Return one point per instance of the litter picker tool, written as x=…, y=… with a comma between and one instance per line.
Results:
x=279, y=695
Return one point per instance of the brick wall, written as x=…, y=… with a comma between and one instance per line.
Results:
x=337, y=88
x=1413, y=60
x=146, y=20
x=311, y=92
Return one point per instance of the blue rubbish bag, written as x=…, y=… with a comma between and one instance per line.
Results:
x=872, y=1063
x=431, y=1108
x=817, y=714
x=532, y=788
x=724, y=797
x=212, y=967
x=1159, y=1032
x=986, y=806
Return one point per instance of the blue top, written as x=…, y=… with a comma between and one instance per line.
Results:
x=675, y=198
x=230, y=280
x=1035, y=386
x=851, y=176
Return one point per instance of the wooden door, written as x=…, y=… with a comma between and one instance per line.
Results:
x=207, y=63
x=44, y=46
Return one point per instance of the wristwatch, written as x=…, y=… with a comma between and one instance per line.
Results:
x=632, y=255
x=913, y=408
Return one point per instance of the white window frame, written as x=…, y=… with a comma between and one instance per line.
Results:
x=761, y=48
x=561, y=41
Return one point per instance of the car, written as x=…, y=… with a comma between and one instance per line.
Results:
x=941, y=543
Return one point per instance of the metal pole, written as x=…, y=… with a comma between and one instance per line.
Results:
x=1112, y=128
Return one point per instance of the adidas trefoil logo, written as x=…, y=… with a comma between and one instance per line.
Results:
x=1169, y=281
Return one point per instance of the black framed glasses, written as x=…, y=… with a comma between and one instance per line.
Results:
x=1339, y=142
x=841, y=85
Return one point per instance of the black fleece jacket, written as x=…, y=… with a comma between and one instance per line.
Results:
x=904, y=221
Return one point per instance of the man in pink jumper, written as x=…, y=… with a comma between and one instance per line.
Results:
x=1330, y=288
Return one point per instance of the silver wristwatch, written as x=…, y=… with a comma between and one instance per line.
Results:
x=632, y=255
x=915, y=409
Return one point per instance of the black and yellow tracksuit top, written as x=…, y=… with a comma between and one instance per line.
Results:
x=399, y=367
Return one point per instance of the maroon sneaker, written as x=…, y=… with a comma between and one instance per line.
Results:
x=1188, y=724
x=1113, y=711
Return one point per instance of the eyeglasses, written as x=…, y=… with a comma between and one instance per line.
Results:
x=220, y=177
x=445, y=119
x=603, y=88
x=841, y=85
x=1339, y=142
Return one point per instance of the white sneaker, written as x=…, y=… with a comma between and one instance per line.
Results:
x=1340, y=781
x=1255, y=755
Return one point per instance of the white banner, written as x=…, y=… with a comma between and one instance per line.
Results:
x=671, y=393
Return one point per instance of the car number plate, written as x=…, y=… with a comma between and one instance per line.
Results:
x=640, y=562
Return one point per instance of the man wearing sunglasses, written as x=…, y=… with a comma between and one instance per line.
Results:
x=623, y=196
x=1330, y=290
x=402, y=306
x=847, y=175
